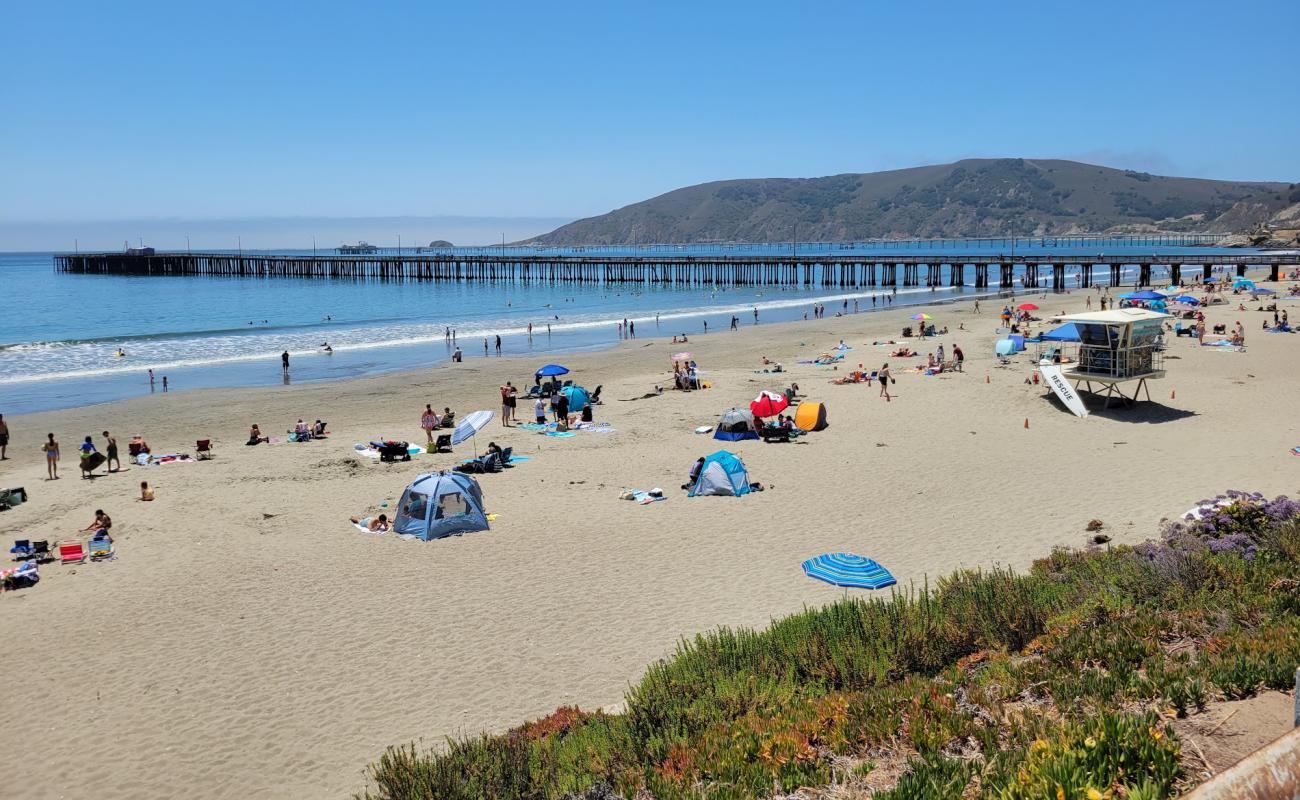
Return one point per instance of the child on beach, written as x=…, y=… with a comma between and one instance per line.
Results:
x=539, y=411
x=146, y=494
x=51, y=449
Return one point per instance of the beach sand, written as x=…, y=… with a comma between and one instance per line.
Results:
x=250, y=642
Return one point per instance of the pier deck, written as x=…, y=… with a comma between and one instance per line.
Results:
x=844, y=269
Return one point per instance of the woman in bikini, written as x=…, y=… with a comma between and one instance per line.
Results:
x=883, y=377
x=51, y=449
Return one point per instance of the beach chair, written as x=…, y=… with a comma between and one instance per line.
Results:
x=442, y=444
x=41, y=551
x=595, y=396
x=203, y=449
x=505, y=455
x=492, y=463
x=449, y=421
x=101, y=547
x=72, y=551
x=22, y=549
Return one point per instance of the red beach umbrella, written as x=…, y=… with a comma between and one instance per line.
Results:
x=768, y=404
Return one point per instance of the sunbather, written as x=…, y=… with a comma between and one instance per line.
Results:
x=696, y=469
x=377, y=524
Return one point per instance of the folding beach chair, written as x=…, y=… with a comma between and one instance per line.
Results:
x=41, y=551
x=22, y=549
x=72, y=551
x=101, y=547
x=203, y=448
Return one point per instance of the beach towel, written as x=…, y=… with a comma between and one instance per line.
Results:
x=170, y=458
x=561, y=434
x=533, y=426
x=1295, y=451
x=641, y=497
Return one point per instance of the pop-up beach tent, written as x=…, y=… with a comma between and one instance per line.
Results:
x=440, y=504
x=723, y=474
x=810, y=417
x=1068, y=332
x=735, y=425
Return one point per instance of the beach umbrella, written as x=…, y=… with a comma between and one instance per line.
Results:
x=1027, y=307
x=1262, y=291
x=1145, y=294
x=578, y=397
x=551, y=370
x=921, y=316
x=1188, y=299
x=846, y=569
x=469, y=426
x=768, y=404
x=682, y=356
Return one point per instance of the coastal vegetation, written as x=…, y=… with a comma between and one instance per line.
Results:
x=970, y=198
x=1063, y=681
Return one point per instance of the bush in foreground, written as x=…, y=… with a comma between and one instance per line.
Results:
x=1054, y=683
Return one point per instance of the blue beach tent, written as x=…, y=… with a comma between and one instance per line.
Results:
x=735, y=425
x=724, y=474
x=578, y=398
x=1145, y=294
x=440, y=504
x=1005, y=347
x=1068, y=332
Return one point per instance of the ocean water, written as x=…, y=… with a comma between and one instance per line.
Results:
x=59, y=333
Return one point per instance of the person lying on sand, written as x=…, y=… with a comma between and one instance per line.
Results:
x=377, y=524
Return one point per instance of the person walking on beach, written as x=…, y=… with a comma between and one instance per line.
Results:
x=959, y=357
x=110, y=453
x=977, y=305
x=485, y=347
x=165, y=382
x=706, y=326
x=284, y=362
x=498, y=344
x=631, y=329
x=735, y=320
x=4, y=438
x=883, y=377
x=429, y=421
x=51, y=449
x=755, y=315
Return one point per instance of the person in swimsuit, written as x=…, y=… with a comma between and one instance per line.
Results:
x=378, y=524
x=87, y=450
x=4, y=438
x=51, y=449
x=429, y=421
x=110, y=451
x=883, y=377
x=101, y=525
x=146, y=494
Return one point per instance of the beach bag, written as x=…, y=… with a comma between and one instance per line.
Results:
x=12, y=497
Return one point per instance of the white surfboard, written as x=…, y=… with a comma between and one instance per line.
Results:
x=1056, y=379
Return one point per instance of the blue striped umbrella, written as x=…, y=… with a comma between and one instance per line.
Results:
x=846, y=569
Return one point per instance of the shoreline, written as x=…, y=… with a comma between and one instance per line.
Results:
x=259, y=643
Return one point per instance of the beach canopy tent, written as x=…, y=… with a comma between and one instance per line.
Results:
x=1145, y=294
x=1005, y=347
x=735, y=425
x=847, y=569
x=810, y=417
x=1066, y=333
x=1243, y=283
x=552, y=370
x=439, y=504
x=578, y=398
x=723, y=474
x=768, y=404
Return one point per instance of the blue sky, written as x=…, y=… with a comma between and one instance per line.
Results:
x=219, y=110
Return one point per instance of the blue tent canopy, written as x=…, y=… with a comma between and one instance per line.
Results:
x=1188, y=299
x=722, y=473
x=1068, y=332
x=847, y=569
x=1145, y=294
x=578, y=398
x=551, y=370
x=440, y=504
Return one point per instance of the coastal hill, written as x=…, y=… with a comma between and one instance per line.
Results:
x=973, y=197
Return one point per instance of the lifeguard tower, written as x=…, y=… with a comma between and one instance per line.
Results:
x=1115, y=347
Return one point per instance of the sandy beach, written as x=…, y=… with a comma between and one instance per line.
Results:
x=250, y=642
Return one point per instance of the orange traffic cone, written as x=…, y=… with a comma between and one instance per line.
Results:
x=1026, y=423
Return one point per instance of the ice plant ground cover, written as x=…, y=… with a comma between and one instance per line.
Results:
x=1060, y=682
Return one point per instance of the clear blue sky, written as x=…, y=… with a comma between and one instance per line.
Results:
x=234, y=109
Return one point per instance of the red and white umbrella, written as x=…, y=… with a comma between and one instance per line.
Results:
x=768, y=404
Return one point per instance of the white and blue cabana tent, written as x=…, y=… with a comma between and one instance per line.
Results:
x=440, y=504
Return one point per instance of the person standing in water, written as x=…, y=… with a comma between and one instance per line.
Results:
x=4, y=438
x=284, y=362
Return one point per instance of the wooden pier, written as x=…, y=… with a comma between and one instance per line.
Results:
x=837, y=269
